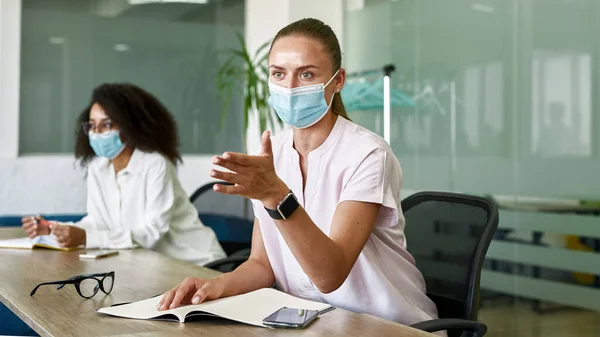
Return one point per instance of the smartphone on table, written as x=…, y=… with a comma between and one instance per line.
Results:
x=98, y=254
x=291, y=318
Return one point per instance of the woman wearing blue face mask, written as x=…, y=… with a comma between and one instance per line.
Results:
x=128, y=141
x=326, y=197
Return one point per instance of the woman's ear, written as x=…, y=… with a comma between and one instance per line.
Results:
x=340, y=80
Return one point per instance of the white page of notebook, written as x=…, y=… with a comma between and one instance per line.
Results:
x=253, y=307
x=250, y=308
x=27, y=243
x=24, y=243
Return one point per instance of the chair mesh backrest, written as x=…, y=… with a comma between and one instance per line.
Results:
x=211, y=202
x=448, y=235
x=230, y=216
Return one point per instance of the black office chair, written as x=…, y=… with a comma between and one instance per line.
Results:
x=229, y=263
x=225, y=214
x=449, y=234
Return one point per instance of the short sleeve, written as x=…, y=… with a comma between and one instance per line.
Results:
x=371, y=182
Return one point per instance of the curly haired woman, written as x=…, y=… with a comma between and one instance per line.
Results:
x=128, y=141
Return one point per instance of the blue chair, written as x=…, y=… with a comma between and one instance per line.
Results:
x=224, y=215
x=10, y=221
x=15, y=221
x=234, y=234
x=12, y=325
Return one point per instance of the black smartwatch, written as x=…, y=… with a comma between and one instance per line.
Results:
x=286, y=207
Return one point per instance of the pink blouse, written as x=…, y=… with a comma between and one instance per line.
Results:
x=352, y=164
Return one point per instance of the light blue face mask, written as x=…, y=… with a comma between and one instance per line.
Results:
x=300, y=107
x=107, y=144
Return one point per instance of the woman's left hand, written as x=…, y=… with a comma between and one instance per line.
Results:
x=254, y=176
x=68, y=236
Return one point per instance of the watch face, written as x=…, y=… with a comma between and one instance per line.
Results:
x=288, y=206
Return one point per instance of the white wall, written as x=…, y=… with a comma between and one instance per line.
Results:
x=45, y=184
x=55, y=183
x=10, y=41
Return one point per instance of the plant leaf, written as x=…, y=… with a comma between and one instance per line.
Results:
x=261, y=49
x=263, y=60
x=244, y=51
x=225, y=110
x=269, y=117
x=246, y=117
x=263, y=121
x=238, y=53
x=248, y=75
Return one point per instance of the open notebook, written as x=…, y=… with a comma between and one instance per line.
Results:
x=42, y=241
x=250, y=308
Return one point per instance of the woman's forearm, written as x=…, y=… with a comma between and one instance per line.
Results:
x=328, y=258
x=320, y=257
x=249, y=276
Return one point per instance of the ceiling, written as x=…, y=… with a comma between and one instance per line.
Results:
x=171, y=11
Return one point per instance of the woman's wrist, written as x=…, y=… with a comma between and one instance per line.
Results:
x=222, y=279
x=84, y=236
x=276, y=195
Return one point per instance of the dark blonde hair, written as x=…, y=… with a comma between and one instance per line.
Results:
x=323, y=33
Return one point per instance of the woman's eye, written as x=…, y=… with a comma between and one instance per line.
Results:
x=306, y=75
x=277, y=74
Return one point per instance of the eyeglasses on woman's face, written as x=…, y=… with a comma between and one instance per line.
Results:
x=100, y=127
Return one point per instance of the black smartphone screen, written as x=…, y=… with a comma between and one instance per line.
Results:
x=288, y=317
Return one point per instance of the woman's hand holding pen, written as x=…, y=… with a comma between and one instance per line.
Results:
x=68, y=236
x=35, y=226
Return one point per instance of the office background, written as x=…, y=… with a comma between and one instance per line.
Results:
x=504, y=103
x=504, y=92
x=524, y=75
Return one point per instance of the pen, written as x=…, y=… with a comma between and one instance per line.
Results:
x=42, y=221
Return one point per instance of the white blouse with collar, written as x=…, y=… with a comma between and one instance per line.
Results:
x=144, y=204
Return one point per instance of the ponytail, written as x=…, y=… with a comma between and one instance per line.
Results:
x=337, y=107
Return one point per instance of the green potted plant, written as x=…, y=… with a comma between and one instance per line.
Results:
x=248, y=74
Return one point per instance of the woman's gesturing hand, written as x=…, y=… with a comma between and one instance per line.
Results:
x=254, y=176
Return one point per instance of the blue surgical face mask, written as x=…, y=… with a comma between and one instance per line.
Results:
x=107, y=144
x=300, y=107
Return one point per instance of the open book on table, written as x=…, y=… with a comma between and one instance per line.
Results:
x=42, y=241
x=250, y=308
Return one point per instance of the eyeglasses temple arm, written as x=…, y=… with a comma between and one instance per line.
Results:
x=49, y=283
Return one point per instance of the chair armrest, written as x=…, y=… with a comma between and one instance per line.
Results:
x=227, y=264
x=471, y=328
x=241, y=252
x=206, y=187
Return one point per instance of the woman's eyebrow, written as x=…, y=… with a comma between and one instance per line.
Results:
x=100, y=120
x=305, y=67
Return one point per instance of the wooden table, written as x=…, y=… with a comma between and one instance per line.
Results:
x=139, y=274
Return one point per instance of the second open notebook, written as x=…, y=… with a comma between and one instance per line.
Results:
x=250, y=308
x=41, y=241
